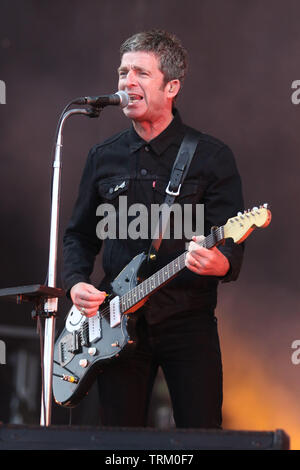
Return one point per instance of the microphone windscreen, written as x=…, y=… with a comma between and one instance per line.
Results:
x=124, y=98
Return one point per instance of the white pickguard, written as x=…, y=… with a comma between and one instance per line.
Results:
x=74, y=320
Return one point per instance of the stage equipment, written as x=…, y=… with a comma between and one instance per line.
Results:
x=13, y=437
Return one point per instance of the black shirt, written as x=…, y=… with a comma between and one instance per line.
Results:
x=126, y=165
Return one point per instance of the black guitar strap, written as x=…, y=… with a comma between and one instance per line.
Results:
x=178, y=174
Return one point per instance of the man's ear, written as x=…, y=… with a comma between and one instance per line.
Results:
x=173, y=88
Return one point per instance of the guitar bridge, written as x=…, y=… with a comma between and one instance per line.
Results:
x=84, y=334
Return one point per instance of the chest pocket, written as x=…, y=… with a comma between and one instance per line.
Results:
x=110, y=189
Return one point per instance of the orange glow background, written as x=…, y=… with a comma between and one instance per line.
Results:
x=261, y=384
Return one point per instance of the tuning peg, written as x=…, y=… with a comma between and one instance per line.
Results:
x=266, y=205
x=255, y=209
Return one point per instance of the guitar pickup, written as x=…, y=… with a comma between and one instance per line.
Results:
x=115, y=314
x=94, y=328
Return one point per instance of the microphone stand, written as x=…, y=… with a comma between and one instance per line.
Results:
x=51, y=303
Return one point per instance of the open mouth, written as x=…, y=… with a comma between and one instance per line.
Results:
x=134, y=98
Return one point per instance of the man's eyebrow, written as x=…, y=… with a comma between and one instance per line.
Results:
x=124, y=68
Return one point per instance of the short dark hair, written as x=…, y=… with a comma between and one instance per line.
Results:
x=167, y=48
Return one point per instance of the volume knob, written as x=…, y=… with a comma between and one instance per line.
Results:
x=92, y=351
x=83, y=363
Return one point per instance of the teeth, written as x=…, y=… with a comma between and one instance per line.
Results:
x=135, y=97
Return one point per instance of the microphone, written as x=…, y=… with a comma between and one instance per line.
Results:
x=118, y=99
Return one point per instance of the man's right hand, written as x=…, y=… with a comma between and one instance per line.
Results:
x=87, y=298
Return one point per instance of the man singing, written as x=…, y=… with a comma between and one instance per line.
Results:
x=177, y=327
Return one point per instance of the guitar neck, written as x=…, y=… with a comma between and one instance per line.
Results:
x=165, y=274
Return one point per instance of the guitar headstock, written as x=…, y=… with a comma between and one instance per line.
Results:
x=239, y=227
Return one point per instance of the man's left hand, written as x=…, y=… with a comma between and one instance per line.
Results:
x=207, y=262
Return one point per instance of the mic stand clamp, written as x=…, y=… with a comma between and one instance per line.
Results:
x=94, y=111
x=39, y=311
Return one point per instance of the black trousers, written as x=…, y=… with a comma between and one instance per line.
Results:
x=187, y=349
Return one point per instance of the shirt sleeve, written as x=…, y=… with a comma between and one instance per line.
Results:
x=223, y=200
x=80, y=243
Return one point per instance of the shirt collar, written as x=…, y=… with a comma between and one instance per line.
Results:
x=172, y=134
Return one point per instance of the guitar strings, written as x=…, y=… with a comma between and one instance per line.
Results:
x=207, y=242
x=210, y=239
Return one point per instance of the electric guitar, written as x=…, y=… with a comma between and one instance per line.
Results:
x=87, y=345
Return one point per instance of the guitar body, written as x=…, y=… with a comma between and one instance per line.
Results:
x=83, y=349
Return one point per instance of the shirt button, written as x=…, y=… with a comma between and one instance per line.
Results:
x=144, y=171
x=111, y=190
x=147, y=148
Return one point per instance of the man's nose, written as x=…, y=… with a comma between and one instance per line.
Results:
x=131, y=78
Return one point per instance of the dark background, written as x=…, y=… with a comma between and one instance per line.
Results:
x=244, y=56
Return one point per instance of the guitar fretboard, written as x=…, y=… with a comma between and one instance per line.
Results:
x=166, y=273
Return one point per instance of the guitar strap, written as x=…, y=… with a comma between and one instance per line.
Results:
x=178, y=174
